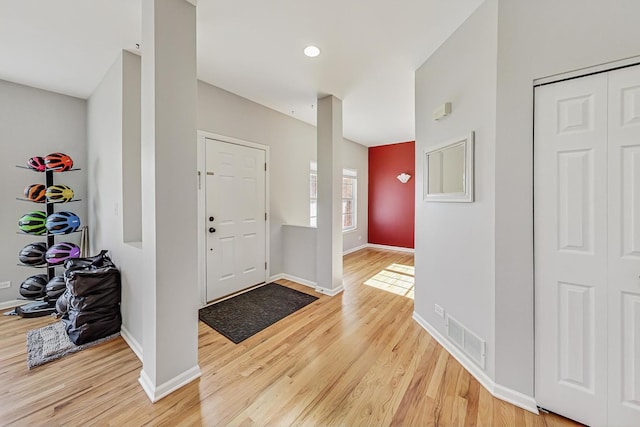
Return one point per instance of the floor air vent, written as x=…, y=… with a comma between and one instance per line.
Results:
x=469, y=343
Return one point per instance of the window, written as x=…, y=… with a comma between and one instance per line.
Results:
x=313, y=207
x=349, y=192
x=349, y=212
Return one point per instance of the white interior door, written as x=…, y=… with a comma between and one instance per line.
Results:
x=571, y=248
x=624, y=247
x=235, y=217
x=587, y=255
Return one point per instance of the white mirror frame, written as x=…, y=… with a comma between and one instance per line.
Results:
x=467, y=195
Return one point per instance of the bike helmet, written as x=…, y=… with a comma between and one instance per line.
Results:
x=62, y=303
x=59, y=194
x=33, y=286
x=33, y=222
x=36, y=163
x=62, y=222
x=55, y=287
x=33, y=254
x=60, y=252
x=58, y=162
x=35, y=193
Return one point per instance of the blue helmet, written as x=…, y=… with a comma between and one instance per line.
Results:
x=62, y=222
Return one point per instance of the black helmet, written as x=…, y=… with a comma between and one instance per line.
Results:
x=33, y=286
x=33, y=254
x=55, y=287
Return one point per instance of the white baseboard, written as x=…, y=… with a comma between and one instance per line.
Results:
x=133, y=344
x=300, y=280
x=391, y=248
x=330, y=292
x=309, y=283
x=156, y=393
x=503, y=393
x=276, y=277
x=356, y=249
x=12, y=303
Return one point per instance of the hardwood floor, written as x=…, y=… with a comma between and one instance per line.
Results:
x=351, y=360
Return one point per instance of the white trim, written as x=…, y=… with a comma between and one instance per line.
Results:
x=156, y=393
x=391, y=248
x=309, y=283
x=299, y=280
x=498, y=391
x=346, y=173
x=133, y=344
x=601, y=68
x=356, y=249
x=202, y=236
x=330, y=292
x=235, y=294
x=12, y=303
x=465, y=196
x=516, y=398
x=276, y=277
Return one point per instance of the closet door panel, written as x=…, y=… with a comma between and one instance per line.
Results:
x=570, y=221
x=624, y=246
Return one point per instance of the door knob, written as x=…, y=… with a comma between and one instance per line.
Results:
x=211, y=218
x=212, y=230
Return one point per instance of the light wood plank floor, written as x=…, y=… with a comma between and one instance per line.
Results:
x=351, y=360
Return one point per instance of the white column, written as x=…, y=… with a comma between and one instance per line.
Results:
x=329, y=241
x=169, y=201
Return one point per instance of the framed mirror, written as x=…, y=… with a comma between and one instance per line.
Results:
x=448, y=171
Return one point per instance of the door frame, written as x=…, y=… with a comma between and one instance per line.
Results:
x=202, y=192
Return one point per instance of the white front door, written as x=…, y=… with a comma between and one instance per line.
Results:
x=235, y=218
x=587, y=248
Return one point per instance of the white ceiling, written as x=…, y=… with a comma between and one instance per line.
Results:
x=370, y=50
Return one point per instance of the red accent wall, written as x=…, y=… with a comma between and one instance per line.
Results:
x=391, y=203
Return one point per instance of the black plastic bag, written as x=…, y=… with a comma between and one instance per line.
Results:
x=93, y=298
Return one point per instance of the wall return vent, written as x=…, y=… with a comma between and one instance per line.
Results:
x=472, y=345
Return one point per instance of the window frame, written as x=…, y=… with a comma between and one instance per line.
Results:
x=351, y=174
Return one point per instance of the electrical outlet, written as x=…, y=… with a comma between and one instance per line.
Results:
x=439, y=311
x=5, y=285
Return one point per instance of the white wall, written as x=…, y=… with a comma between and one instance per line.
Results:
x=34, y=122
x=292, y=147
x=300, y=251
x=356, y=156
x=106, y=135
x=535, y=40
x=454, y=252
x=169, y=195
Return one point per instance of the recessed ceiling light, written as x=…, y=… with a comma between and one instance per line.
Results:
x=311, y=51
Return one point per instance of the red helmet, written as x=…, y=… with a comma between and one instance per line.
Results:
x=58, y=162
x=36, y=163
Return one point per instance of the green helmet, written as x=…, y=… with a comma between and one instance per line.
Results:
x=33, y=222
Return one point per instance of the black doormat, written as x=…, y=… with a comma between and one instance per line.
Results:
x=245, y=315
